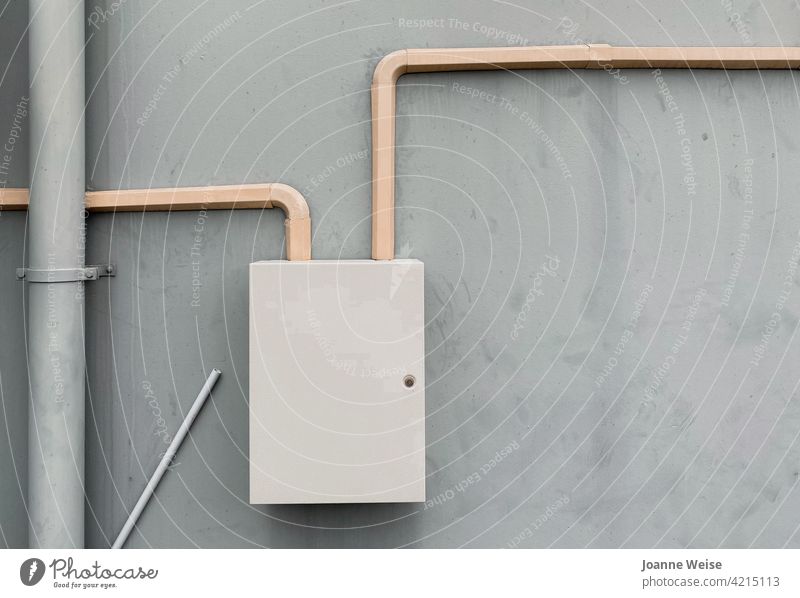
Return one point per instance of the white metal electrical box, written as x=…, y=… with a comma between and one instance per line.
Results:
x=337, y=382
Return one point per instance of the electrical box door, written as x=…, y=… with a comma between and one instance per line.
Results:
x=337, y=382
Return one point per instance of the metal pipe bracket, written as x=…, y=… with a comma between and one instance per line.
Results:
x=48, y=275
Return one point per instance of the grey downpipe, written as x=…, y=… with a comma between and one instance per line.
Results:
x=55, y=259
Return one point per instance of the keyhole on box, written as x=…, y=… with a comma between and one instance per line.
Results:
x=409, y=381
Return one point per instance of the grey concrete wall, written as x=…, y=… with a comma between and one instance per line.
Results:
x=602, y=368
x=13, y=370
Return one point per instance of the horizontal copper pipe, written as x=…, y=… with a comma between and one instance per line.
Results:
x=396, y=64
x=228, y=197
x=13, y=199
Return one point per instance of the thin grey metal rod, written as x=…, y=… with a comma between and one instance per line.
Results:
x=166, y=459
x=55, y=241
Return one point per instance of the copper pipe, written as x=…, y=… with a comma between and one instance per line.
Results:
x=229, y=197
x=13, y=199
x=395, y=65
